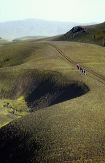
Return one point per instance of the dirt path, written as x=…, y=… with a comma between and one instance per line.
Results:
x=98, y=76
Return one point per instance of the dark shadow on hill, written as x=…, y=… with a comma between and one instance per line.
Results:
x=50, y=92
x=14, y=147
x=41, y=89
x=19, y=140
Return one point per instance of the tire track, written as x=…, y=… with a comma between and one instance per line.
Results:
x=100, y=78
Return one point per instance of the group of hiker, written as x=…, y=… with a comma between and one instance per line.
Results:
x=81, y=69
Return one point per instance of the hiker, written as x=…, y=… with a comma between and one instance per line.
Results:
x=78, y=66
x=81, y=70
x=84, y=71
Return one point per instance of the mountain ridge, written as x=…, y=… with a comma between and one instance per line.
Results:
x=86, y=34
x=33, y=27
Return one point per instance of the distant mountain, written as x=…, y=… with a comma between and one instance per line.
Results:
x=28, y=38
x=3, y=41
x=91, y=34
x=33, y=27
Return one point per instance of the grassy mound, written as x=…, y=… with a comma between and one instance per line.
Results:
x=15, y=53
x=71, y=131
x=18, y=140
x=40, y=89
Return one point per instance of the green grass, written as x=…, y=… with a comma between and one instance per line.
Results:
x=89, y=55
x=15, y=53
x=72, y=131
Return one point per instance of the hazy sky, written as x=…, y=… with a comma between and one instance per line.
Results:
x=82, y=11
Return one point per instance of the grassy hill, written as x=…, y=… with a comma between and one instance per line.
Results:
x=56, y=114
x=87, y=34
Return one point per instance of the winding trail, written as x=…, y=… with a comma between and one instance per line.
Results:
x=100, y=78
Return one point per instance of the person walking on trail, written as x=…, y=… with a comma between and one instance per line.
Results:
x=81, y=70
x=78, y=66
x=84, y=71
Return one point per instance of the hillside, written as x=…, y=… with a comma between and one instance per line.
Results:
x=87, y=34
x=33, y=27
x=48, y=111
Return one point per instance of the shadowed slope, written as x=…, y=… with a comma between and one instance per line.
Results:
x=21, y=141
x=72, y=131
x=41, y=89
x=50, y=92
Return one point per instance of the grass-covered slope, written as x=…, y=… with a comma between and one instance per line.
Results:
x=87, y=34
x=14, y=54
x=73, y=130
x=31, y=78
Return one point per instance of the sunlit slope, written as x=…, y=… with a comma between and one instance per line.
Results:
x=70, y=131
x=88, y=55
x=26, y=66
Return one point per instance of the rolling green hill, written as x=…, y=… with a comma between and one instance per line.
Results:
x=87, y=34
x=49, y=112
